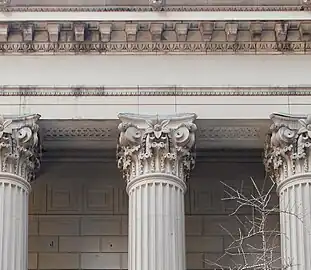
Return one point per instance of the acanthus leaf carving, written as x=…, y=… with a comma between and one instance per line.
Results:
x=288, y=146
x=20, y=148
x=151, y=145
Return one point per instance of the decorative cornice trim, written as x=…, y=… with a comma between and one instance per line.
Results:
x=80, y=90
x=214, y=133
x=149, y=8
x=96, y=133
x=80, y=133
x=155, y=48
x=170, y=36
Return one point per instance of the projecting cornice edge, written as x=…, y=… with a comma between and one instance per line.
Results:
x=155, y=37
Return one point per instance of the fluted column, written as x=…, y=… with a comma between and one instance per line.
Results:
x=288, y=160
x=19, y=160
x=155, y=156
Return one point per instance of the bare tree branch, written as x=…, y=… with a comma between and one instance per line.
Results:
x=255, y=245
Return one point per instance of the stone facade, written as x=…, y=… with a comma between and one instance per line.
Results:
x=193, y=84
x=78, y=220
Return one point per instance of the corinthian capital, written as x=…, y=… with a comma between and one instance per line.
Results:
x=287, y=148
x=151, y=144
x=20, y=149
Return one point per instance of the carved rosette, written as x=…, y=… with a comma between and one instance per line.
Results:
x=20, y=148
x=156, y=145
x=287, y=148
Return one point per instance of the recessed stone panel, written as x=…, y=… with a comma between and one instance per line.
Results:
x=205, y=200
x=98, y=198
x=64, y=197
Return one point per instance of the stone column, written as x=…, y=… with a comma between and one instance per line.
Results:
x=288, y=160
x=19, y=160
x=155, y=155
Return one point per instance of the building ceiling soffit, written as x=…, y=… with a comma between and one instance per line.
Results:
x=156, y=37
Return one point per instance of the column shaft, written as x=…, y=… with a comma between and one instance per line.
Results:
x=20, y=153
x=156, y=226
x=288, y=160
x=156, y=156
x=295, y=221
x=14, y=223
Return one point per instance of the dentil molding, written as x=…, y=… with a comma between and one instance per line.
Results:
x=85, y=91
x=156, y=37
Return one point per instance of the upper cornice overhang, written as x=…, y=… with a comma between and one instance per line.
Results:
x=251, y=27
x=154, y=37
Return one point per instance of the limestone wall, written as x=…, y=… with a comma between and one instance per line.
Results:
x=78, y=214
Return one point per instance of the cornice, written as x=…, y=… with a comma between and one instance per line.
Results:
x=149, y=8
x=156, y=37
x=84, y=91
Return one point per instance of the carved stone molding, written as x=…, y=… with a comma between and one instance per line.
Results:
x=20, y=148
x=149, y=145
x=156, y=37
x=170, y=8
x=229, y=133
x=165, y=47
x=85, y=90
x=65, y=133
x=288, y=146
